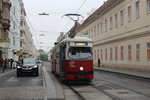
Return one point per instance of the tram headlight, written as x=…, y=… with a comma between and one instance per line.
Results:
x=81, y=68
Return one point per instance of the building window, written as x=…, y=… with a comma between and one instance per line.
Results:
x=94, y=54
x=129, y=13
x=105, y=25
x=137, y=5
x=94, y=30
x=116, y=53
x=101, y=55
x=111, y=54
x=21, y=23
x=97, y=29
x=116, y=20
x=129, y=52
x=22, y=11
x=97, y=54
x=148, y=51
x=21, y=33
x=121, y=53
x=105, y=54
x=101, y=28
x=137, y=51
x=121, y=17
x=14, y=25
x=148, y=6
x=20, y=43
x=89, y=34
x=14, y=11
x=14, y=41
x=111, y=23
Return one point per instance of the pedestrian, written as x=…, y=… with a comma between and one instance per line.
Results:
x=1, y=62
x=5, y=62
x=11, y=63
x=99, y=62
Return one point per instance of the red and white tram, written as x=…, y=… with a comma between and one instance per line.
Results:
x=72, y=59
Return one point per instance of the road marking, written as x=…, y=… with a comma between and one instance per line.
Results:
x=12, y=79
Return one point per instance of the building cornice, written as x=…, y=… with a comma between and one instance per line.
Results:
x=124, y=38
x=99, y=12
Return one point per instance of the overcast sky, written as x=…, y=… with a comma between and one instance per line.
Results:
x=52, y=25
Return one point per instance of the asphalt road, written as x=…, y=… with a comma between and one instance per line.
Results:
x=122, y=87
x=27, y=87
x=115, y=86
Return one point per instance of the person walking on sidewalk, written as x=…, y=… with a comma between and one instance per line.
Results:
x=11, y=63
x=5, y=63
x=99, y=62
x=1, y=62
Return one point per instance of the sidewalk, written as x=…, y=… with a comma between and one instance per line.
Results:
x=127, y=72
x=5, y=71
x=54, y=90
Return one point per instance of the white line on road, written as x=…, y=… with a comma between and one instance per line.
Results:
x=12, y=79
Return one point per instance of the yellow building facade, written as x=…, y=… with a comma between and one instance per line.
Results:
x=120, y=30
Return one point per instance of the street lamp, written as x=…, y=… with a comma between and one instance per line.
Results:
x=42, y=35
x=44, y=14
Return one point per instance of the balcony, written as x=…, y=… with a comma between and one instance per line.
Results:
x=5, y=23
x=5, y=14
x=6, y=3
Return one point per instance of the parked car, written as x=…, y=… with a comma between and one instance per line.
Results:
x=27, y=66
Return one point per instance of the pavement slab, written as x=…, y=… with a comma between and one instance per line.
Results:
x=22, y=93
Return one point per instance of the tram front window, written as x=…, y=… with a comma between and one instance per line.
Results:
x=80, y=53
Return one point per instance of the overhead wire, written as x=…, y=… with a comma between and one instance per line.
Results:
x=76, y=12
x=33, y=30
x=63, y=29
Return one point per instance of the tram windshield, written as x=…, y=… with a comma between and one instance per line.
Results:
x=80, y=53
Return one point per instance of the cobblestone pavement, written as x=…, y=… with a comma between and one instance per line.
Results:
x=23, y=93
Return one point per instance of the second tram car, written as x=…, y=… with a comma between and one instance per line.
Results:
x=72, y=59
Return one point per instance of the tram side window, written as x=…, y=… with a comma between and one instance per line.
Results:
x=80, y=53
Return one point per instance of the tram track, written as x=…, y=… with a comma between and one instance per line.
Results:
x=77, y=93
x=128, y=89
x=111, y=86
x=111, y=89
x=90, y=92
x=108, y=94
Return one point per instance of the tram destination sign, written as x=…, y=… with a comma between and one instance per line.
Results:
x=80, y=44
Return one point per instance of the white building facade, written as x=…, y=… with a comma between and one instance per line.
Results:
x=26, y=42
x=14, y=34
x=120, y=30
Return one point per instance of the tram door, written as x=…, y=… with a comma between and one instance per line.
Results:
x=62, y=60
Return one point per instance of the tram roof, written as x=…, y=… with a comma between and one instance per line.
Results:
x=77, y=39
